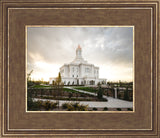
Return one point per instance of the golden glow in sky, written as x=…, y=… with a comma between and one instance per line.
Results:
x=109, y=48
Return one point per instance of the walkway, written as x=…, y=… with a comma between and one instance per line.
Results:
x=82, y=91
x=111, y=103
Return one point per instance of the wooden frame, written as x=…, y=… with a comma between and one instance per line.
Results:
x=143, y=122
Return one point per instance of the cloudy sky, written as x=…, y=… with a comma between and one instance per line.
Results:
x=110, y=48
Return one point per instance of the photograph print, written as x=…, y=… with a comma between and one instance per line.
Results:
x=80, y=68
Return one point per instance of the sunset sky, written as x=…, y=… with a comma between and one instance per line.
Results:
x=109, y=48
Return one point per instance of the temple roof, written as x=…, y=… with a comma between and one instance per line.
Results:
x=78, y=61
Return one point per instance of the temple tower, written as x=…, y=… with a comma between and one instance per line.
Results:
x=79, y=52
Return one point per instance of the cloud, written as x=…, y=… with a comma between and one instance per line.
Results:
x=109, y=46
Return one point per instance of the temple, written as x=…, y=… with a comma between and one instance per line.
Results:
x=79, y=72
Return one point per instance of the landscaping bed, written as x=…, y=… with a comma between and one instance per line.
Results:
x=39, y=105
x=64, y=94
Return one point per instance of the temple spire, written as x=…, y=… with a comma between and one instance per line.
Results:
x=79, y=47
x=79, y=52
x=79, y=58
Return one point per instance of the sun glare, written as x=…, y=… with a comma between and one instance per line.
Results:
x=45, y=71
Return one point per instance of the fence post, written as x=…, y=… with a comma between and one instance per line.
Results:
x=115, y=90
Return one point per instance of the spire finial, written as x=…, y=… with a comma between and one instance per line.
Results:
x=79, y=47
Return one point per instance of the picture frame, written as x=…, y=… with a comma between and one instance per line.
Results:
x=143, y=15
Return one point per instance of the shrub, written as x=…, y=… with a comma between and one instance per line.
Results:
x=119, y=96
x=119, y=109
x=47, y=105
x=126, y=94
x=105, y=109
x=29, y=103
x=65, y=105
x=34, y=105
x=39, y=103
x=54, y=105
x=100, y=92
x=104, y=99
x=83, y=108
x=82, y=95
x=94, y=109
x=70, y=107
x=70, y=95
x=129, y=109
x=74, y=107
x=79, y=107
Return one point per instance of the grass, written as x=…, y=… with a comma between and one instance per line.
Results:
x=74, y=91
x=69, y=90
x=88, y=89
x=41, y=86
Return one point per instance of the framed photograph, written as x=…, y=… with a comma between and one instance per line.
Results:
x=80, y=85
x=80, y=69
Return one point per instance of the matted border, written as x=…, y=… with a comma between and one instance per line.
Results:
x=156, y=81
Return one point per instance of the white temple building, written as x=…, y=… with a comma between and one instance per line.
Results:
x=79, y=72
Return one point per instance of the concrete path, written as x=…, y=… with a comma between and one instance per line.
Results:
x=82, y=91
x=111, y=103
x=91, y=93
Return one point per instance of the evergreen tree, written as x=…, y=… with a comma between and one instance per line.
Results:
x=126, y=94
x=29, y=82
x=59, y=79
x=100, y=91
